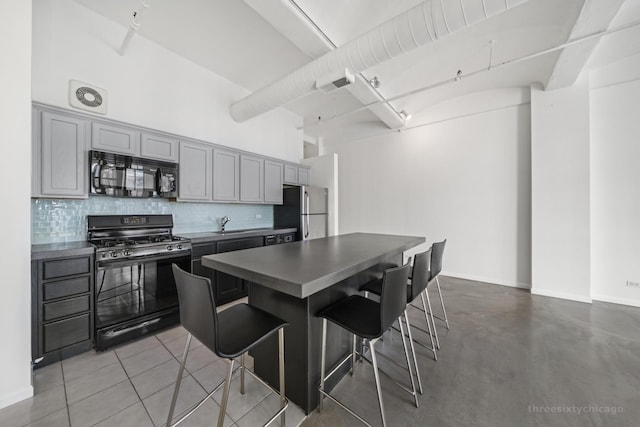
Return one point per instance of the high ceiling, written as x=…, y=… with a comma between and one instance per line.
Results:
x=257, y=42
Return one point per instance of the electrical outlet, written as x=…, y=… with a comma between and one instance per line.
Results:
x=633, y=284
x=258, y=216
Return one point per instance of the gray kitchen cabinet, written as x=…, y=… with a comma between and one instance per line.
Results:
x=194, y=179
x=207, y=172
x=251, y=179
x=62, y=307
x=60, y=160
x=159, y=147
x=290, y=174
x=273, y=182
x=296, y=175
x=225, y=286
x=303, y=176
x=226, y=176
x=228, y=287
x=115, y=139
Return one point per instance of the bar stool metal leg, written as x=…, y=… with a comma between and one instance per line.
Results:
x=353, y=354
x=322, y=361
x=281, y=373
x=225, y=394
x=413, y=351
x=374, y=362
x=178, y=380
x=446, y=321
x=406, y=354
x=427, y=304
x=242, y=368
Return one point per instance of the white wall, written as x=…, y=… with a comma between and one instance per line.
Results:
x=465, y=177
x=15, y=135
x=325, y=175
x=615, y=181
x=149, y=85
x=560, y=192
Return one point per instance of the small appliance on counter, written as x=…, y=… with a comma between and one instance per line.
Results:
x=124, y=176
x=135, y=292
x=305, y=208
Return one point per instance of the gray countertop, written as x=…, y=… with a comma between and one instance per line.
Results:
x=64, y=249
x=303, y=268
x=214, y=236
x=78, y=248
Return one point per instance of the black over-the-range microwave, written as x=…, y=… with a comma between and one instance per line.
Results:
x=125, y=176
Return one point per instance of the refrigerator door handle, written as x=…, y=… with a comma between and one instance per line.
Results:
x=306, y=197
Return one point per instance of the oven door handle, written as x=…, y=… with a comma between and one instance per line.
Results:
x=102, y=265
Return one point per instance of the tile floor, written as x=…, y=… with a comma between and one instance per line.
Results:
x=132, y=385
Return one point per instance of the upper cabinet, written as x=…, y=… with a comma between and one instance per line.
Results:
x=251, y=179
x=194, y=180
x=296, y=175
x=303, y=176
x=226, y=175
x=159, y=147
x=290, y=174
x=273, y=182
x=60, y=160
x=115, y=139
x=206, y=172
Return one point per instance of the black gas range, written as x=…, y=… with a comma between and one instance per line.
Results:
x=135, y=289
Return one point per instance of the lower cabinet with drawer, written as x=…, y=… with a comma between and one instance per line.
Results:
x=62, y=315
x=227, y=288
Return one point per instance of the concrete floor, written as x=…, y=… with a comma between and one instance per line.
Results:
x=510, y=359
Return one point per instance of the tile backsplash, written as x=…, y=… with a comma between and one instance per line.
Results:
x=65, y=220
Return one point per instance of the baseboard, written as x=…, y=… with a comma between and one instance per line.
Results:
x=616, y=300
x=486, y=280
x=561, y=295
x=546, y=292
x=16, y=396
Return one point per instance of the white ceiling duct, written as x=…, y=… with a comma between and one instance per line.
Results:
x=422, y=24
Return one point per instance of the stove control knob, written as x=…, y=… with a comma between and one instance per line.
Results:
x=126, y=252
x=169, y=247
x=113, y=254
x=104, y=254
x=179, y=246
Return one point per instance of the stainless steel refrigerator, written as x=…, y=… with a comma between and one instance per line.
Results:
x=306, y=209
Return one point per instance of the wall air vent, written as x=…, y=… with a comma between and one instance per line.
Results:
x=87, y=97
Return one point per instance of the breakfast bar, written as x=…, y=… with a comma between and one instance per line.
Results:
x=296, y=280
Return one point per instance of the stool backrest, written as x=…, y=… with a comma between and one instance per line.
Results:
x=393, y=300
x=198, y=313
x=419, y=274
x=437, y=250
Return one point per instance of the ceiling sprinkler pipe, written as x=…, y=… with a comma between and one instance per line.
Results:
x=422, y=24
x=134, y=25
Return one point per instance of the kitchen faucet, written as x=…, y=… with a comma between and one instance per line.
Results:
x=225, y=220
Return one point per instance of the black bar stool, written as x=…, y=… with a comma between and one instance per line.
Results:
x=229, y=334
x=368, y=319
x=435, y=267
x=437, y=253
x=415, y=288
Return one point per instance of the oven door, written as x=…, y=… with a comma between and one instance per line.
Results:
x=131, y=292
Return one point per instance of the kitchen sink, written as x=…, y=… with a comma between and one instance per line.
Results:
x=222, y=233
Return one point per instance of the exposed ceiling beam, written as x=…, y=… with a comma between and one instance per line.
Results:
x=301, y=30
x=425, y=23
x=595, y=16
